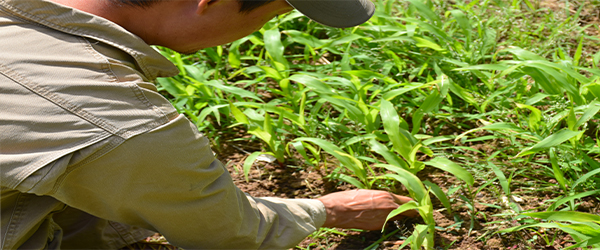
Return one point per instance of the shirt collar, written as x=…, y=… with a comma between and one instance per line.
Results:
x=80, y=23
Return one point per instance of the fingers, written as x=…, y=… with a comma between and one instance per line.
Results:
x=400, y=199
x=362, y=209
x=403, y=200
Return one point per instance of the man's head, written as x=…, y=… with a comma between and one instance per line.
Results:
x=217, y=22
x=335, y=13
x=189, y=25
x=245, y=5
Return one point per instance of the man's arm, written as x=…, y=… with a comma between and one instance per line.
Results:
x=169, y=181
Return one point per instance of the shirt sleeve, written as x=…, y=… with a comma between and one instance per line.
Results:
x=168, y=180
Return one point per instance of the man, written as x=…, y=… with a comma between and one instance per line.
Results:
x=93, y=157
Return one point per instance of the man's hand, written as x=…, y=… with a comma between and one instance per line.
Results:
x=361, y=209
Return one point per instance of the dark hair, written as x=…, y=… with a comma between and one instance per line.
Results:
x=135, y=3
x=245, y=5
x=249, y=5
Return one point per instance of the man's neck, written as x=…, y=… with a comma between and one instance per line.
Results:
x=136, y=20
x=98, y=8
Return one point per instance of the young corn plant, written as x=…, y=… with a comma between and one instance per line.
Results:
x=262, y=126
x=583, y=227
x=363, y=172
x=561, y=133
x=404, y=170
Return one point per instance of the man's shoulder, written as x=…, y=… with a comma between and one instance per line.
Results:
x=88, y=78
x=61, y=92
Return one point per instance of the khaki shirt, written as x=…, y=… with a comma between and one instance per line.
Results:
x=93, y=157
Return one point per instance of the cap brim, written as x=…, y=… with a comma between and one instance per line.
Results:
x=335, y=13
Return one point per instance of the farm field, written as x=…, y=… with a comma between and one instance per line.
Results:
x=485, y=112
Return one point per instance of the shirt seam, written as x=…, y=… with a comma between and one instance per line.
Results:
x=5, y=10
x=106, y=67
x=14, y=216
x=107, y=148
x=104, y=64
x=19, y=178
x=72, y=108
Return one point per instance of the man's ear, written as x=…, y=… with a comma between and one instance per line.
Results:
x=202, y=6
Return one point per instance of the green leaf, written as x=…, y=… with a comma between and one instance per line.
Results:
x=558, y=174
x=313, y=83
x=570, y=216
x=425, y=43
x=262, y=134
x=501, y=178
x=401, y=209
x=268, y=127
x=571, y=119
x=534, y=118
x=299, y=146
x=174, y=88
x=431, y=102
x=464, y=24
x=574, y=233
x=346, y=160
x=304, y=38
x=391, y=158
x=439, y=193
x=350, y=180
x=489, y=41
x=238, y=114
x=212, y=54
x=391, y=124
x=589, y=230
x=408, y=179
x=426, y=12
x=275, y=48
x=578, y=52
x=572, y=197
x=396, y=92
x=248, y=163
x=233, y=90
x=594, y=88
x=349, y=38
x=234, y=56
x=347, y=105
x=463, y=94
x=440, y=138
x=453, y=168
x=592, y=110
x=585, y=177
x=578, y=236
x=551, y=141
x=273, y=73
x=211, y=109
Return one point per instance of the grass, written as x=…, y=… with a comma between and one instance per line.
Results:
x=491, y=92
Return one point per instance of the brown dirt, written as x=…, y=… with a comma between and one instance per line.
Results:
x=459, y=230
x=453, y=231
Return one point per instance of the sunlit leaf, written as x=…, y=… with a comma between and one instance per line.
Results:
x=550, y=141
x=409, y=180
x=249, y=162
x=571, y=216
x=453, y=168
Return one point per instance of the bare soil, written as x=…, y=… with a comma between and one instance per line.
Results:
x=453, y=231
x=459, y=230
